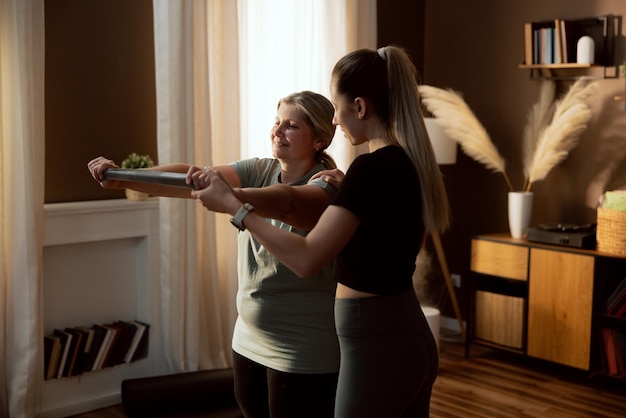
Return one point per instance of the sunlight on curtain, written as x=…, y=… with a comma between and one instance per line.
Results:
x=21, y=203
x=221, y=67
x=287, y=46
x=198, y=282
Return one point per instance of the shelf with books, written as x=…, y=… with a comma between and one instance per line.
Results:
x=550, y=47
x=73, y=351
x=611, y=353
x=609, y=321
x=100, y=266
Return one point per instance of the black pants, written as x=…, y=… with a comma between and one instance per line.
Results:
x=267, y=393
x=389, y=358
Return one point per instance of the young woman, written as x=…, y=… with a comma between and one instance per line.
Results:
x=373, y=229
x=285, y=348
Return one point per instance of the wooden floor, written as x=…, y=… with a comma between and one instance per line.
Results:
x=491, y=383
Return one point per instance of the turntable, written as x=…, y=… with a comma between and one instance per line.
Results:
x=569, y=235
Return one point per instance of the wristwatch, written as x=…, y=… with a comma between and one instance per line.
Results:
x=243, y=211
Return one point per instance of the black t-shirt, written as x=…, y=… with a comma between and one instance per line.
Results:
x=382, y=189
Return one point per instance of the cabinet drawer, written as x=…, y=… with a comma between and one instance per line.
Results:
x=499, y=319
x=497, y=259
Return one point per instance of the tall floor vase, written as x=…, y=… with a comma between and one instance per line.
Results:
x=520, y=211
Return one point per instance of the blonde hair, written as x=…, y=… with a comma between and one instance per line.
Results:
x=387, y=78
x=318, y=113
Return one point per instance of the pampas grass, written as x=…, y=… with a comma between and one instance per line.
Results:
x=459, y=123
x=539, y=117
x=556, y=140
x=551, y=132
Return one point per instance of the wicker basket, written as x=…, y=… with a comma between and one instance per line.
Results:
x=611, y=231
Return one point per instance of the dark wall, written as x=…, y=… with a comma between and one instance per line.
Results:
x=401, y=22
x=99, y=91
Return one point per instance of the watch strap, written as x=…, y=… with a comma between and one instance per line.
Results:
x=243, y=211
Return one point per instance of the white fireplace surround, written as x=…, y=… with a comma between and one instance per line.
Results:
x=100, y=264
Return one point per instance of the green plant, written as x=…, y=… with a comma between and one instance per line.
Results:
x=135, y=160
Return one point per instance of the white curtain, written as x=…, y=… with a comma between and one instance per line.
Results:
x=288, y=46
x=199, y=120
x=218, y=85
x=21, y=203
x=197, y=278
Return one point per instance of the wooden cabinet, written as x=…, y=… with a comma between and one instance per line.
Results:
x=560, y=290
x=544, y=301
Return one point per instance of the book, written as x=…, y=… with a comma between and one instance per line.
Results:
x=536, y=46
x=558, y=47
x=88, y=336
x=78, y=359
x=620, y=312
x=104, y=347
x=619, y=338
x=97, y=340
x=528, y=43
x=115, y=333
x=66, y=340
x=52, y=354
x=600, y=352
x=121, y=343
x=48, y=344
x=139, y=331
x=549, y=43
x=543, y=36
x=72, y=352
x=134, y=328
x=564, y=54
x=140, y=349
x=609, y=349
x=615, y=299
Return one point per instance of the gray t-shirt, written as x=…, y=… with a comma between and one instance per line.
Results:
x=285, y=322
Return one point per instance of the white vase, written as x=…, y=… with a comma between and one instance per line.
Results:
x=585, y=50
x=520, y=211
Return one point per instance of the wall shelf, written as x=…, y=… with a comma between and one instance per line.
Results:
x=569, y=71
x=550, y=47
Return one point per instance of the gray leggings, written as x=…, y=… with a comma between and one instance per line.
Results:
x=389, y=358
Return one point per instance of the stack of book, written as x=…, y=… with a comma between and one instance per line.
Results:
x=613, y=339
x=613, y=358
x=615, y=304
x=74, y=351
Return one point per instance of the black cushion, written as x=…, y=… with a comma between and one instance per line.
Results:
x=206, y=393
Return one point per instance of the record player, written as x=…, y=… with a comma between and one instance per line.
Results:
x=569, y=235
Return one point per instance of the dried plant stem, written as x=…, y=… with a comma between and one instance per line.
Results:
x=459, y=123
x=508, y=181
x=561, y=135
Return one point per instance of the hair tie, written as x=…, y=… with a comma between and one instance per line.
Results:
x=381, y=52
